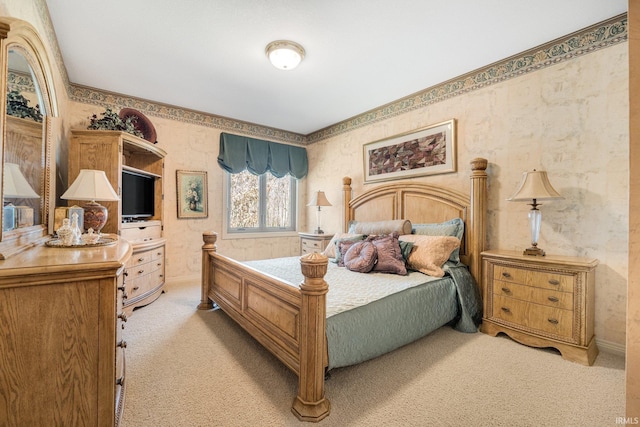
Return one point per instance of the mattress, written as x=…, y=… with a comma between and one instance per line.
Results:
x=370, y=314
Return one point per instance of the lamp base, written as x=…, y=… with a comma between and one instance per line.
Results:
x=318, y=231
x=95, y=216
x=533, y=251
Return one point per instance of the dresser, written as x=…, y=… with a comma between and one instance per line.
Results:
x=145, y=273
x=311, y=242
x=541, y=301
x=62, y=354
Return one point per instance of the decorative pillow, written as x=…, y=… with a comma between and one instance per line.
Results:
x=330, y=250
x=430, y=252
x=454, y=227
x=361, y=257
x=400, y=226
x=343, y=247
x=405, y=249
x=389, y=254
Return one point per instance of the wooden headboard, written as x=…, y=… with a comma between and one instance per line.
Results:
x=424, y=203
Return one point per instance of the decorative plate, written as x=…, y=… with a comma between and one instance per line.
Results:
x=142, y=123
x=104, y=241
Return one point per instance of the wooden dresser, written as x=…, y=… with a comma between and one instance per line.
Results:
x=311, y=242
x=61, y=349
x=541, y=301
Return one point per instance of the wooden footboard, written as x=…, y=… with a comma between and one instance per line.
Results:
x=288, y=321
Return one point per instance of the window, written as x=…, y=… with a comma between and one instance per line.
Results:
x=260, y=203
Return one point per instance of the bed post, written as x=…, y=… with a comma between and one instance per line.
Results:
x=310, y=404
x=346, y=189
x=478, y=217
x=209, y=247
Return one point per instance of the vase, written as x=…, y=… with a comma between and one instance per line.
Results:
x=192, y=206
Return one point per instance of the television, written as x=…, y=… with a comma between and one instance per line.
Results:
x=137, y=196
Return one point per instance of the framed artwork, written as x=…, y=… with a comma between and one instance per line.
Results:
x=192, y=194
x=427, y=151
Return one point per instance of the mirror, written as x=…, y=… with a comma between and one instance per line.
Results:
x=26, y=169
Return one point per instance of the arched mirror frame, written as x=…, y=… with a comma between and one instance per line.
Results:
x=22, y=37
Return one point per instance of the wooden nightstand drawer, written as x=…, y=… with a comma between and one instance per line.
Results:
x=551, y=298
x=310, y=243
x=541, y=279
x=548, y=320
x=541, y=301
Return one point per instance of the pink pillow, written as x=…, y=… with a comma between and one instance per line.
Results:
x=361, y=257
x=390, y=258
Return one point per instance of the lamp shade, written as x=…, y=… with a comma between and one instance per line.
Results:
x=535, y=185
x=284, y=54
x=319, y=199
x=15, y=185
x=91, y=185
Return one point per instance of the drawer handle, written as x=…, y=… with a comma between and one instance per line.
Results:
x=506, y=309
x=554, y=282
x=122, y=317
x=122, y=344
x=159, y=253
x=162, y=275
x=140, y=259
x=135, y=288
x=159, y=264
x=553, y=299
x=140, y=271
x=505, y=274
x=553, y=321
x=120, y=381
x=506, y=290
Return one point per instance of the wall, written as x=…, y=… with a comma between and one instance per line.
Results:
x=633, y=293
x=569, y=119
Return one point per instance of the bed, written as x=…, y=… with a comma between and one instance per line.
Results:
x=291, y=321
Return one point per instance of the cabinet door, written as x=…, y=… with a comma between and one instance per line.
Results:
x=50, y=354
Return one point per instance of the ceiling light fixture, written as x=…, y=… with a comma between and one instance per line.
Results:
x=284, y=54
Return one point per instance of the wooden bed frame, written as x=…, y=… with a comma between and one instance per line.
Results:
x=290, y=322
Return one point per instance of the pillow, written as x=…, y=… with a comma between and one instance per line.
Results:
x=343, y=247
x=430, y=252
x=405, y=249
x=400, y=226
x=361, y=257
x=330, y=250
x=454, y=227
x=389, y=254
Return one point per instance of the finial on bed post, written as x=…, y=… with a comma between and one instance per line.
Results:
x=347, y=192
x=478, y=222
x=310, y=403
x=210, y=238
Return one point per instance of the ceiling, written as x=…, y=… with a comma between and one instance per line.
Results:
x=208, y=55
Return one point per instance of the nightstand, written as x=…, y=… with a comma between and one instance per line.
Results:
x=541, y=301
x=311, y=242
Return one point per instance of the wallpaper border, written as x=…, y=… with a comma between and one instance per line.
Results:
x=598, y=36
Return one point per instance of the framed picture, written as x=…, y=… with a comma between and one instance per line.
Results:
x=427, y=151
x=192, y=194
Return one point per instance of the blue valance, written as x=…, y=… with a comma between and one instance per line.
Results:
x=238, y=153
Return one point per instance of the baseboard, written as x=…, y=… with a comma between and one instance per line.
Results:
x=611, y=347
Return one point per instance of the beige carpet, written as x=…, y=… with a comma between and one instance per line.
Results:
x=197, y=368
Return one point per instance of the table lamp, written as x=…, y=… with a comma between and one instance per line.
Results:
x=535, y=186
x=319, y=200
x=16, y=186
x=92, y=185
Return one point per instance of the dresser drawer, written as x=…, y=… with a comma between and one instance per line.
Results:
x=540, y=279
x=547, y=320
x=542, y=296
